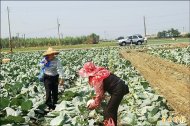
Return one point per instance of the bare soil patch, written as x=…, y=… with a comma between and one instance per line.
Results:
x=167, y=78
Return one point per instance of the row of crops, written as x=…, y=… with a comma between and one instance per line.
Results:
x=22, y=95
x=179, y=55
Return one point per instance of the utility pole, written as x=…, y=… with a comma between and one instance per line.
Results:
x=17, y=38
x=144, y=26
x=10, y=41
x=105, y=35
x=17, y=35
x=58, y=25
x=24, y=40
x=62, y=35
x=145, y=30
x=24, y=36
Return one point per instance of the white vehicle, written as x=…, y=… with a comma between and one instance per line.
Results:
x=134, y=39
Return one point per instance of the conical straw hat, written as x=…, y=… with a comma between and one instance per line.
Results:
x=50, y=51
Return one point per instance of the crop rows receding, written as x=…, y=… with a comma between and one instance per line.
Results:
x=179, y=55
x=22, y=95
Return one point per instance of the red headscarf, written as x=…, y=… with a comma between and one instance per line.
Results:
x=96, y=74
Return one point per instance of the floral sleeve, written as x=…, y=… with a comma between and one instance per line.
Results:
x=97, y=83
x=99, y=95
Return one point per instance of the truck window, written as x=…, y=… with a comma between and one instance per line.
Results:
x=135, y=37
x=140, y=36
x=130, y=37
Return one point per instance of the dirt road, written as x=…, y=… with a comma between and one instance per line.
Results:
x=167, y=78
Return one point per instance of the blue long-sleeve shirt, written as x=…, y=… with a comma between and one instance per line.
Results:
x=53, y=68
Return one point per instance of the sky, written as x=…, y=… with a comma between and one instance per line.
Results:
x=108, y=19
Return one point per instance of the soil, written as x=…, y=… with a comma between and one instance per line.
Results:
x=167, y=78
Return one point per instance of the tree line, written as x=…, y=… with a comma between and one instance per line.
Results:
x=34, y=42
x=171, y=33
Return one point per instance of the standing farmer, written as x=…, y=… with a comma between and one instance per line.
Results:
x=53, y=75
x=102, y=80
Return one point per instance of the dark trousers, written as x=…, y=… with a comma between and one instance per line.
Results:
x=51, y=87
x=116, y=97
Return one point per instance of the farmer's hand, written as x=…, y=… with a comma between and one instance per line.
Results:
x=61, y=82
x=109, y=122
x=91, y=106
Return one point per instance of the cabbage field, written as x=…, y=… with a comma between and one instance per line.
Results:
x=179, y=55
x=22, y=96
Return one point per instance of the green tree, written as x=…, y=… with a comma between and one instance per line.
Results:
x=170, y=33
x=159, y=34
x=93, y=39
x=162, y=34
x=187, y=35
x=173, y=32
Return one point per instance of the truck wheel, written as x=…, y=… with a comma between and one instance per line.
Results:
x=139, y=43
x=123, y=43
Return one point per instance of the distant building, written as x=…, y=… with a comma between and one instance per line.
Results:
x=151, y=36
x=183, y=33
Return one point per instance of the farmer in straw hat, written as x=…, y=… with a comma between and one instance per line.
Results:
x=53, y=75
x=102, y=80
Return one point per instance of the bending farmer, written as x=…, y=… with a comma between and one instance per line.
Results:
x=102, y=80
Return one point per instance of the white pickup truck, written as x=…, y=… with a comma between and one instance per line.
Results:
x=134, y=39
